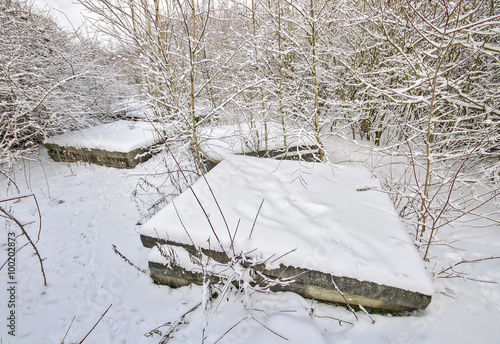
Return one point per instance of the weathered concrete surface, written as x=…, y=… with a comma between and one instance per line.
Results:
x=309, y=283
x=98, y=156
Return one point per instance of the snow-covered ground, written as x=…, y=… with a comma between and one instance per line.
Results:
x=87, y=209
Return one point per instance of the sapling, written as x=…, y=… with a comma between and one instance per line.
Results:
x=446, y=36
x=434, y=84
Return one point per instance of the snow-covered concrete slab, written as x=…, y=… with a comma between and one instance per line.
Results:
x=136, y=110
x=122, y=144
x=325, y=222
x=216, y=143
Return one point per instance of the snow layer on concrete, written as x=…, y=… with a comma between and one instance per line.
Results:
x=333, y=219
x=137, y=109
x=219, y=142
x=121, y=136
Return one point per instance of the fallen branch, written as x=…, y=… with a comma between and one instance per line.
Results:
x=172, y=328
x=127, y=260
x=95, y=325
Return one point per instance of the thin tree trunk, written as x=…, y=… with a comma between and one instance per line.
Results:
x=315, y=77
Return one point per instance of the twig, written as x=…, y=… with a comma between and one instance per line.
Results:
x=182, y=224
x=19, y=224
x=284, y=254
x=366, y=312
x=95, y=325
x=127, y=260
x=267, y=328
x=39, y=217
x=229, y=330
x=14, y=198
x=464, y=261
x=45, y=175
x=207, y=217
x=10, y=180
x=174, y=325
x=17, y=197
x=256, y=216
x=190, y=187
x=220, y=210
x=333, y=318
x=234, y=235
x=347, y=302
x=70, y=324
x=19, y=249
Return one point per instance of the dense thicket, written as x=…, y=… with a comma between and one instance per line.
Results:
x=362, y=65
x=426, y=77
x=50, y=80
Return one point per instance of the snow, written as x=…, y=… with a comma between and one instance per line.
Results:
x=135, y=108
x=335, y=220
x=120, y=136
x=219, y=142
x=87, y=208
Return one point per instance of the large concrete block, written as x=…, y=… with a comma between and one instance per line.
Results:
x=330, y=226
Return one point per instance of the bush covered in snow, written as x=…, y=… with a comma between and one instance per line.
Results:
x=50, y=80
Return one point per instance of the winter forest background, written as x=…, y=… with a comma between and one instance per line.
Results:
x=417, y=83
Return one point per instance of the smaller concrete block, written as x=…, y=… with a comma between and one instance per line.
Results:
x=121, y=145
x=262, y=140
x=99, y=156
